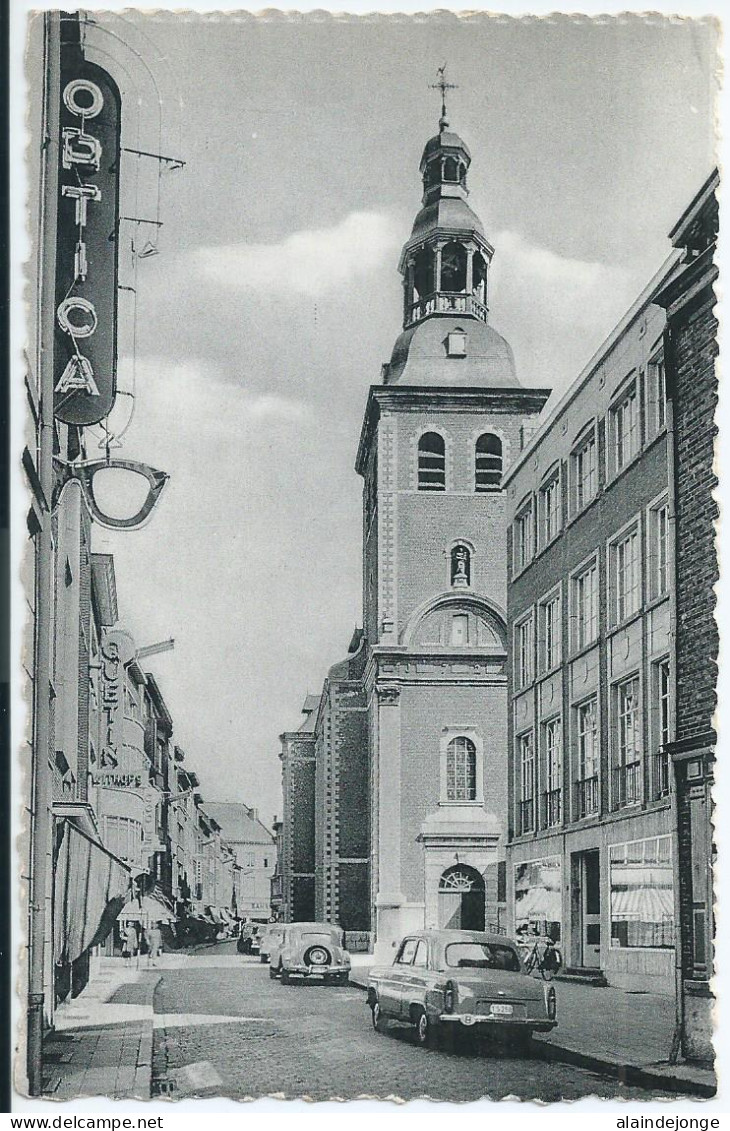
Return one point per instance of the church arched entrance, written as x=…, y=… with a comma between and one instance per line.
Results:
x=461, y=899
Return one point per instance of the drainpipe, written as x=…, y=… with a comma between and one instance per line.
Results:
x=40, y=802
x=673, y=799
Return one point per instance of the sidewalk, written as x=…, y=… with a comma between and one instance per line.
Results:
x=627, y=1035
x=101, y=1044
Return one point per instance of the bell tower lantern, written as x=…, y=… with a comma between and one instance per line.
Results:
x=445, y=262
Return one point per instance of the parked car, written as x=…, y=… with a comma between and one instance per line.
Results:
x=267, y=938
x=309, y=950
x=460, y=982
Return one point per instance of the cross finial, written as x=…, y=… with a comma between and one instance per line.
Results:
x=443, y=86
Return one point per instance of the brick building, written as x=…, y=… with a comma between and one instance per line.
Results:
x=690, y=350
x=590, y=854
x=296, y=857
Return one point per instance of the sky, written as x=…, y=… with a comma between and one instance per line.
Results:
x=275, y=298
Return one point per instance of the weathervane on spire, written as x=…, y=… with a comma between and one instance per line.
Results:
x=443, y=86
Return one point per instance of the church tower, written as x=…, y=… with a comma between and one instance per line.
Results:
x=438, y=433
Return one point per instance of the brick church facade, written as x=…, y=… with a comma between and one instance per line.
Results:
x=404, y=757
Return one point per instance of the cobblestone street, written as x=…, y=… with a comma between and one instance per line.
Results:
x=222, y=1027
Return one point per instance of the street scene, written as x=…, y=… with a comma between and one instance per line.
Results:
x=369, y=645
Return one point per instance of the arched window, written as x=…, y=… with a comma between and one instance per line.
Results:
x=488, y=463
x=423, y=272
x=431, y=462
x=453, y=268
x=461, y=770
x=460, y=566
x=451, y=169
x=479, y=277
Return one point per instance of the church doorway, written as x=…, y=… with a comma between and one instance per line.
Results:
x=461, y=899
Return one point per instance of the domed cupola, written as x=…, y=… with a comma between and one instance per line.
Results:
x=446, y=260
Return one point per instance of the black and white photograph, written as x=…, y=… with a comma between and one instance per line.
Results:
x=365, y=382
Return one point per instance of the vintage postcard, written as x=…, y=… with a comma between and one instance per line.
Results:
x=368, y=548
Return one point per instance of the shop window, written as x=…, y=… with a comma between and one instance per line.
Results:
x=642, y=894
x=431, y=462
x=538, y=899
x=488, y=463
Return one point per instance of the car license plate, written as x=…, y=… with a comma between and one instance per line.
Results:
x=500, y=1010
x=318, y=969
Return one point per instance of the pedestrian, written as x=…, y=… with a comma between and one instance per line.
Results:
x=130, y=943
x=153, y=936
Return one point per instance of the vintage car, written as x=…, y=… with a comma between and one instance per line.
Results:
x=309, y=950
x=457, y=982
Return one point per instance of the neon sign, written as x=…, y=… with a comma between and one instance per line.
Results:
x=85, y=344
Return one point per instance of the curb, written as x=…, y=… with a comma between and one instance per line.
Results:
x=643, y=1076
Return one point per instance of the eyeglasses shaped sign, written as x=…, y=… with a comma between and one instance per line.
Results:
x=85, y=341
x=101, y=471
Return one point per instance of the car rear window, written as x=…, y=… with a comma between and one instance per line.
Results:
x=481, y=956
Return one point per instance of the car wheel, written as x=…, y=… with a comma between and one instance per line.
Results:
x=272, y=972
x=263, y=958
x=377, y=1016
x=425, y=1030
x=285, y=979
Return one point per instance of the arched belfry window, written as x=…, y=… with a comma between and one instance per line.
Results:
x=461, y=770
x=451, y=170
x=431, y=462
x=479, y=277
x=488, y=463
x=453, y=268
x=423, y=272
x=461, y=566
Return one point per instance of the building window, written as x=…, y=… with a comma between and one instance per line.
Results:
x=123, y=837
x=661, y=721
x=550, y=633
x=585, y=606
x=588, y=756
x=625, y=427
x=524, y=646
x=553, y=773
x=526, y=757
x=460, y=566
x=659, y=550
x=626, y=576
x=549, y=510
x=431, y=462
x=584, y=468
x=524, y=548
x=461, y=770
x=488, y=463
x=626, y=785
x=657, y=389
x=456, y=343
x=642, y=894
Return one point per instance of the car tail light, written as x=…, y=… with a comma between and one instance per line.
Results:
x=449, y=997
x=551, y=1002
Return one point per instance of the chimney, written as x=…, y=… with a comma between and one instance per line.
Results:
x=254, y=814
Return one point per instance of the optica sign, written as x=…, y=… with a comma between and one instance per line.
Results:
x=85, y=344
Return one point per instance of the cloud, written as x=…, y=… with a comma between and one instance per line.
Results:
x=555, y=310
x=308, y=262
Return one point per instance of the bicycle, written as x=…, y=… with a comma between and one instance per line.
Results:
x=536, y=959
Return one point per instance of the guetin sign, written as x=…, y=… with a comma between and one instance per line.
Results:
x=85, y=343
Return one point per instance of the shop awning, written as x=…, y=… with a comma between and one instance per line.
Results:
x=146, y=909
x=89, y=889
